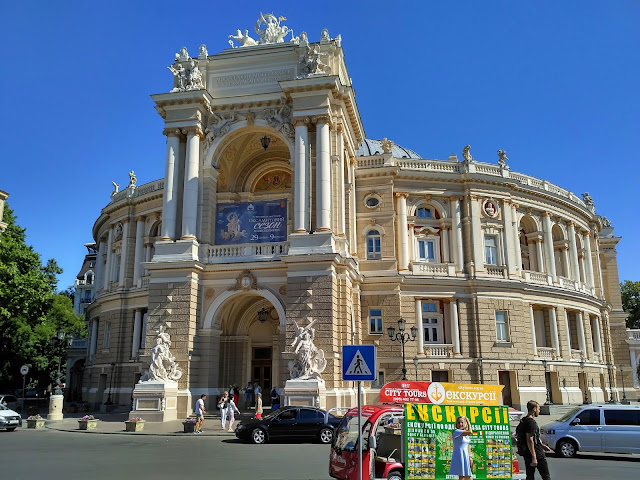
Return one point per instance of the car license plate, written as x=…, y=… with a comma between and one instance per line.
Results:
x=13, y=421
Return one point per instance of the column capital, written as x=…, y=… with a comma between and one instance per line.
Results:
x=301, y=122
x=340, y=127
x=546, y=214
x=125, y=220
x=352, y=161
x=193, y=130
x=140, y=218
x=455, y=198
x=515, y=205
x=323, y=119
x=173, y=132
x=571, y=223
x=401, y=194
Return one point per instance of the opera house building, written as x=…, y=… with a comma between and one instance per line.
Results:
x=276, y=214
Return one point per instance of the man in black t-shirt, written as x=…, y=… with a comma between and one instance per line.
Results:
x=534, y=451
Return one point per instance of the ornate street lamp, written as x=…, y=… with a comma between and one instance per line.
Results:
x=265, y=141
x=402, y=338
x=584, y=381
x=546, y=384
x=415, y=362
x=611, y=399
x=624, y=392
x=113, y=367
x=58, y=340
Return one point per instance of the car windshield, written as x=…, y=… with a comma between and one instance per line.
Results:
x=569, y=414
x=346, y=437
x=273, y=414
x=2, y=407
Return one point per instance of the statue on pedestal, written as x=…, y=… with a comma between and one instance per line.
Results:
x=466, y=154
x=132, y=179
x=502, y=158
x=163, y=366
x=310, y=362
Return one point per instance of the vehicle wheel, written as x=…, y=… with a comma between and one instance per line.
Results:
x=326, y=435
x=395, y=475
x=566, y=448
x=258, y=436
x=11, y=429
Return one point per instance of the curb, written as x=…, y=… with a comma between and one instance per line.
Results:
x=143, y=433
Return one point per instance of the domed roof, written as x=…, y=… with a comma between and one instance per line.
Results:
x=374, y=147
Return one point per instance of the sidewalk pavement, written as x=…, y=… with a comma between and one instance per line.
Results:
x=113, y=423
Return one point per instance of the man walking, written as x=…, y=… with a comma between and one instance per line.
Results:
x=530, y=445
x=200, y=411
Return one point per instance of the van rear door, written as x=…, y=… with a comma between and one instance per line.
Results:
x=588, y=431
x=621, y=431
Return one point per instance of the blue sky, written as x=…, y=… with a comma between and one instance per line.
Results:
x=555, y=84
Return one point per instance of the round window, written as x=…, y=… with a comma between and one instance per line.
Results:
x=372, y=202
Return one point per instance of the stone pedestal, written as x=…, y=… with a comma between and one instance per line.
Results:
x=305, y=391
x=55, y=407
x=155, y=401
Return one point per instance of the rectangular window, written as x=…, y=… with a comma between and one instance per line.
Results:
x=375, y=320
x=373, y=247
x=106, y=340
x=430, y=323
x=426, y=250
x=490, y=250
x=502, y=330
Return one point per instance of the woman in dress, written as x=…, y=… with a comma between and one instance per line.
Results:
x=223, y=405
x=258, y=405
x=231, y=411
x=461, y=463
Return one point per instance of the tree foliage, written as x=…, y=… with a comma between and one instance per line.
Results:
x=631, y=302
x=30, y=311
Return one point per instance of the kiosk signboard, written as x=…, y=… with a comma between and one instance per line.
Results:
x=429, y=440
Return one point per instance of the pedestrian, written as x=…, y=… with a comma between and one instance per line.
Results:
x=223, y=405
x=461, y=459
x=248, y=396
x=200, y=411
x=236, y=393
x=258, y=406
x=256, y=391
x=232, y=409
x=529, y=444
x=274, y=398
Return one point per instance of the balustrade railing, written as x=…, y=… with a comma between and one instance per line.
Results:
x=438, y=349
x=547, y=353
x=435, y=269
x=495, y=271
x=634, y=333
x=577, y=354
x=239, y=253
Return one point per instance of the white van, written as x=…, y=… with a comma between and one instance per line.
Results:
x=595, y=428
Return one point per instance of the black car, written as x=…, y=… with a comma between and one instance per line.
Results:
x=289, y=423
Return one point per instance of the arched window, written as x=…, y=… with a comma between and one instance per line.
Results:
x=424, y=212
x=373, y=245
x=89, y=278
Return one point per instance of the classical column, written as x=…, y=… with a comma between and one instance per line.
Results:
x=94, y=337
x=444, y=232
x=455, y=326
x=553, y=324
x=582, y=273
x=589, y=260
x=567, y=327
x=124, y=256
x=548, y=242
x=143, y=336
x=509, y=240
x=139, y=250
x=581, y=340
x=402, y=226
x=456, y=237
x=137, y=327
x=597, y=340
x=190, y=197
x=516, y=234
x=107, y=266
x=301, y=165
x=99, y=273
x=565, y=261
x=598, y=265
x=534, y=340
x=352, y=206
x=323, y=175
x=535, y=253
x=573, y=250
x=476, y=234
x=420, y=327
x=170, y=197
x=341, y=179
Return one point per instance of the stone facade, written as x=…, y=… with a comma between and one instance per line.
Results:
x=509, y=278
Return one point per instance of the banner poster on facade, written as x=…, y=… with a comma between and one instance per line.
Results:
x=251, y=222
x=429, y=440
x=436, y=392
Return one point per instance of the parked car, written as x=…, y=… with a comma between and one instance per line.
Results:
x=10, y=401
x=290, y=423
x=9, y=419
x=595, y=428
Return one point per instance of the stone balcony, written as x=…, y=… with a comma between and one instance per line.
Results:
x=633, y=334
x=577, y=355
x=242, y=253
x=433, y=269
x=444, y=350
x=547, y=353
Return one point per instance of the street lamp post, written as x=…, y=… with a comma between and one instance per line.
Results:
x=611, y=399
x=480, y=370
x=415, y=362
x=403, y=338
x=58, y=340
x=113, y=367
x=624, y=392
x=546, y=384
x=584, y=381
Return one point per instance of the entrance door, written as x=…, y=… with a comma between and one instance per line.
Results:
x=504, y=379
x=261, y=371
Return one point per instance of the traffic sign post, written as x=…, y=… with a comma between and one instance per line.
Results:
x=24, y=369
x=359, y=362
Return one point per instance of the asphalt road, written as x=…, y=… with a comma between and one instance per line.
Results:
x=28, y=454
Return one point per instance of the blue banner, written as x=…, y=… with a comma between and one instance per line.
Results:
x=251, y=222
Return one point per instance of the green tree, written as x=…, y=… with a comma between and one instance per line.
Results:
x=30, y=312
x=631, y=302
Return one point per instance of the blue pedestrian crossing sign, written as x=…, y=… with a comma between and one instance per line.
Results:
x=359, y=362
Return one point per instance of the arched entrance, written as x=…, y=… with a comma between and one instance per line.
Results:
x=250, y=344
x=74, y=387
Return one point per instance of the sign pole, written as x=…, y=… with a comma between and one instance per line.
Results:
x=359, y=432
x=23, y=399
